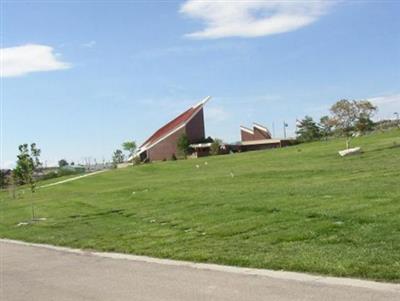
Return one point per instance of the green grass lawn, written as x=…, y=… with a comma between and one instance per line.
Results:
x=301, y=208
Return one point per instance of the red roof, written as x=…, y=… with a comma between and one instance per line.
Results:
x=175, y=123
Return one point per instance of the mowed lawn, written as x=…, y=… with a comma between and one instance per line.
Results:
x=301, y=208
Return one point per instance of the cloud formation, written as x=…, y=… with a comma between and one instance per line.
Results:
x=387, y=105
x=89, y=44
x=21, y=60
x=386, y=99
x=252, y=18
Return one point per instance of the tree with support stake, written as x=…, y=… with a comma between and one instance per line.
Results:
x=27, y=163
x=351, y=116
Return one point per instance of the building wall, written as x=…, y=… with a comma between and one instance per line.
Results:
x=245, y=136
x=165, y=149
x=260, y=135
x=246, y=148
x=195, y=128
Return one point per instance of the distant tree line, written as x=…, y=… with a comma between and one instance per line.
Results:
x=29, y=169
x=347, y=119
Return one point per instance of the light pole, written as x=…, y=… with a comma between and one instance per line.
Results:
x=397, y=118
x=284, y=129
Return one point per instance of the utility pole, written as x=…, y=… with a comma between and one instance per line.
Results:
x=397, y=118
x=284, y=129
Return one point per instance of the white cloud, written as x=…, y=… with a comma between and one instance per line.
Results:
x=21, y=60
x=89, y=44
x=387, y=105
x=252, y=18
x=386, y=99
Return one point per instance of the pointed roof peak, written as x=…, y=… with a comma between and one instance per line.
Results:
x=246, y=129
x=175, y=123
x=202, y=102
x=257, y=125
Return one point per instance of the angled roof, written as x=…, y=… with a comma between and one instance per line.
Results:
x=261, y=127
x=174, y=124
x=250, y=131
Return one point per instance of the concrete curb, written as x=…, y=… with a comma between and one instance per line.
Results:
x=283, y=275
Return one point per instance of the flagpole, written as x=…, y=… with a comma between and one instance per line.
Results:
x=284, y=129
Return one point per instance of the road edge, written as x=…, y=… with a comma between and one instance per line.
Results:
x=282, y=275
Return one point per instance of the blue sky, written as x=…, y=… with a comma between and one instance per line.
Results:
x=81, y=77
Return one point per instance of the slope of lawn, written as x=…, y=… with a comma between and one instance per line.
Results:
x=300, y=208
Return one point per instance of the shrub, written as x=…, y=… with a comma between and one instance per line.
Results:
x=50, y=175
x=215, y=146
x=183, y=145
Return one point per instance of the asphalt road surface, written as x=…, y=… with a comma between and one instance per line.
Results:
x=39, y=273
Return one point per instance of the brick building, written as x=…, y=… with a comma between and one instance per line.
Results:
x=259, y=138
x=162, y=145
x=258, y=132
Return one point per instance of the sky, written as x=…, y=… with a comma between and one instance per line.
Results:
x=80, y=77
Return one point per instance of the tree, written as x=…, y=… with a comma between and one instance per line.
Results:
x=326, y=125
x=348, y=114
x=129, y=146
x=215, y=146
x=27, y=163
x=62, y=163
x=364, y=124
x=118, y=157
x=5, y=175
x=308, y=130
x=183, y=145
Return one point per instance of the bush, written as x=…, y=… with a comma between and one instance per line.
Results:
x=62, y=172
x=136, y=160
x=215, y=146
x=50, y=175
x=69, y=171
x=183, y=145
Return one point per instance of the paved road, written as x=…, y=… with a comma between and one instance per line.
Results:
x=38, y=273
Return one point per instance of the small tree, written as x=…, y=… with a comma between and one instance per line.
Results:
x=129, y=146
x=62, y=163
x=117, y=158
x=12, y=185
x=27, y=163
x=183, y=145
x=215, y=146
x=326, y=125
x=308, y=130
x=4, y=178
x=347, y=114
x=364, y=124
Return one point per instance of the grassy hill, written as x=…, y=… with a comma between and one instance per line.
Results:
x=302, y=208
